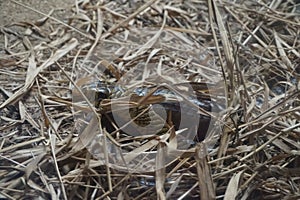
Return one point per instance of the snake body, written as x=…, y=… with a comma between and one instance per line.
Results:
x=174, y=108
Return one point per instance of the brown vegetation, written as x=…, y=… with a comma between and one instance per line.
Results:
x=247, y=52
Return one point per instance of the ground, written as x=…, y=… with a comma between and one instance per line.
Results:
x=226, y=72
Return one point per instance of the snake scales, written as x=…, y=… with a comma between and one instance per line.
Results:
x=141, y=101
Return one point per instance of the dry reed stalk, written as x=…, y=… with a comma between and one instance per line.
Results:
x=249, y=47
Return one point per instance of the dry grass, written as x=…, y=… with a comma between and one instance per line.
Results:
x=250, y=49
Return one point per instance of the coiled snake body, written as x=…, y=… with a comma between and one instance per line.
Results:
x=142, y=98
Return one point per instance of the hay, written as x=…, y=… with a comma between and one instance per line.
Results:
x=248, y=49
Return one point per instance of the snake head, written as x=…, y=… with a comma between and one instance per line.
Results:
x=101, y=92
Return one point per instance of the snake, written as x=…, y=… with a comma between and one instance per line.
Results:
x=153, y=95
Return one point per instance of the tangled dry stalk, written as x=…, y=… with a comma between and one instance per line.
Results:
x=250, y=47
